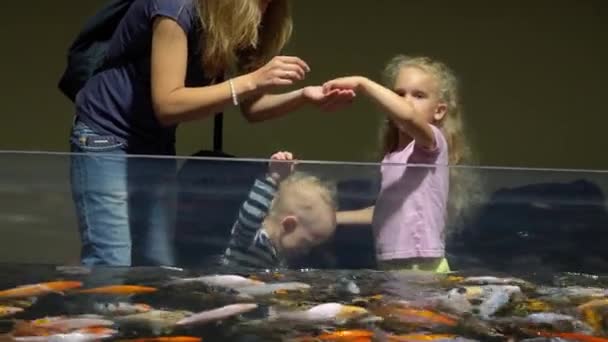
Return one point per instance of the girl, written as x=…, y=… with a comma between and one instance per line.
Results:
x=424, y=126
x=166, y=64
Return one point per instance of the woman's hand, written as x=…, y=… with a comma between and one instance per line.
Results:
x=280, y=71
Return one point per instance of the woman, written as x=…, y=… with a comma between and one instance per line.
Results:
x=166, y=64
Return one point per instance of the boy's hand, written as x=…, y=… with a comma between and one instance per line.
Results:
x=281, y=165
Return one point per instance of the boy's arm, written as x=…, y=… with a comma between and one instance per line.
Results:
x=355, y=217
x=253, y=211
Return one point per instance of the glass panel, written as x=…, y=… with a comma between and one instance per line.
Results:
x=516, y=218
x=179, y=214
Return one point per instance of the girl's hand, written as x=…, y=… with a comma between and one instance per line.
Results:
x=330, y=101
x=281, y=165
x=353, y=83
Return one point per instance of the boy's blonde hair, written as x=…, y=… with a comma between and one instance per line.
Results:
x=325, y=190
x=464, y=183
x=237, y=34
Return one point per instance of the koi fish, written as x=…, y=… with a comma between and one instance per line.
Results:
x=576, y=293
x=323, y=313
x=217, y=314
x=573, y=336
x=347, y=335
x=418, y=316
x=120, y=309
x=219, y=280
x=270, y=289
x=157, y=321
x=166, y=339
x=9, y=310
x=70, y=323
x=75, y=336
x=35, y=290
x=487, y=280
x=557, y=322
x=455, y=301
x=592, y=313
x=420, y=337
x=495, y=297
x=119, y=290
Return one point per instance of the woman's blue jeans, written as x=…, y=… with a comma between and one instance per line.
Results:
x=125, y=204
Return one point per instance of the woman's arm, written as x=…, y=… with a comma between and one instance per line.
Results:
x=269, y=106
x=355, y=217
x=174, y=102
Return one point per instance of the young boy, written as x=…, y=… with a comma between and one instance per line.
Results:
x=285, y=215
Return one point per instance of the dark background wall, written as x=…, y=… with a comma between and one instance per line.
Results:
x=533, y=75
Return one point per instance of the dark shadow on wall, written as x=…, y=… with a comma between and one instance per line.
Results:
x=548, y=227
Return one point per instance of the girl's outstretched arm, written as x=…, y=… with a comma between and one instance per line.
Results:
x=400, y=109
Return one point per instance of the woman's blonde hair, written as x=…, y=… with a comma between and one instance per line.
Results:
x=237, y=35
x=465, y=188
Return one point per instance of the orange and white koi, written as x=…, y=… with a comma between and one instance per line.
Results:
x=65, y=324
x=323, y=313
x=81, y=335
x=272, y=289
x=9, y=310
x=35, y=290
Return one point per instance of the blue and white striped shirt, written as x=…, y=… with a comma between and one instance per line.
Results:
x=249, y=244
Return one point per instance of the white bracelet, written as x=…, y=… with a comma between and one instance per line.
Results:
x=235, y=100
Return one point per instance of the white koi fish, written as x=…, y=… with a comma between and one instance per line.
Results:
x=119, y=309
x=82, y=335
x=219, y=280
x=488, y=280
x=494, y=297
x=323, y=313
x=270, y=289
x=217, y=314
x=71, y=323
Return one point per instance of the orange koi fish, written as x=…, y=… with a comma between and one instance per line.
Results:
x=40, y=289
x=347, y=335
x=166, y=339
x=119, y=290
x=573, y=336
x=419, y=337
x=422, y=316
x=96, y=331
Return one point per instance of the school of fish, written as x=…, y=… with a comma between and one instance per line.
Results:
x=274, y=307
